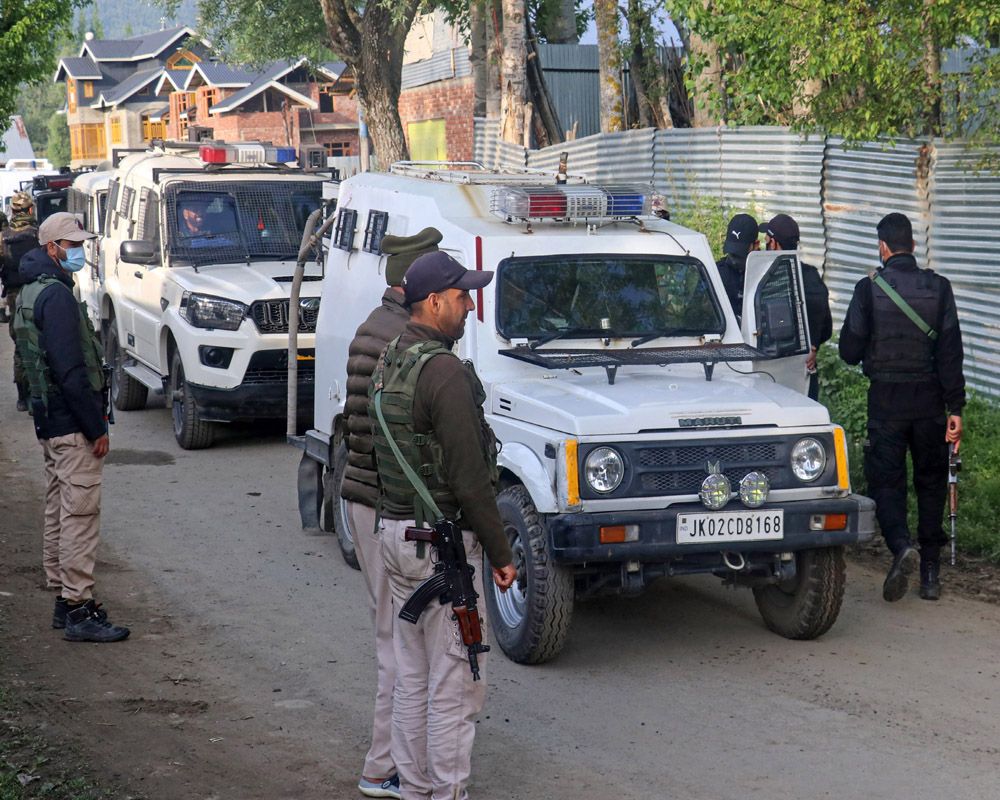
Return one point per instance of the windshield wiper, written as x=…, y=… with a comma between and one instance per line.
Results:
x=545, y=338
x=661, y=333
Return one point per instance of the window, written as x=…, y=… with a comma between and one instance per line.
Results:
x=326, y=104
x=116, y=129
x=334, y=149
x=182, y=59
x=152, y=130
x=87, y=141
x=144, y=91
x=88, y=88
x=588, y=296
x=71, y=94
x=211, y=98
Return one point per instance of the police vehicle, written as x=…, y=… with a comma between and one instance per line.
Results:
x=645, y=432
x=199, y=248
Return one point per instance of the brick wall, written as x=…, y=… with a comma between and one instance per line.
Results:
x=453, y=101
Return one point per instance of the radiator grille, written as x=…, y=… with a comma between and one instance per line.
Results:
x=271, y=316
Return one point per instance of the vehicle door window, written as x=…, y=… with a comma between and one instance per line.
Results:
x=149, y=218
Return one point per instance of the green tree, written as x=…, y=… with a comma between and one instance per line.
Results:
x=859, y=69
x=57, y=148
x=28, y=45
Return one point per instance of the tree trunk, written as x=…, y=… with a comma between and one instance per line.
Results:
x=709, y=82
x=609, y=58
x=932, y=71
x=512, y=72
x=645, y=69
x=477, y=55
x=371, y=44
x=494, y=27
x=561, y=27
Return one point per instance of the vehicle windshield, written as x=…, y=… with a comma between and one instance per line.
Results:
x=584, y=295
x=229, y=221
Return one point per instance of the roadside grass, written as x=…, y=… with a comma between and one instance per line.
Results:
x=844, y=390
x=30, y=767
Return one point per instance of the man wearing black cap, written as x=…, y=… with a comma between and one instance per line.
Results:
x=782, y=233
x=360, y=491
x=902, y=322
x=432, y=404
x=741, y=239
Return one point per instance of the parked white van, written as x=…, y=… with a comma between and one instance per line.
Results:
x=199, y=248
x=645, y=433
x=88, y=200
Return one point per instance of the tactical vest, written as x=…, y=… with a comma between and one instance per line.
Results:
x=36, y=365
x=899, y=352
x=396, y=376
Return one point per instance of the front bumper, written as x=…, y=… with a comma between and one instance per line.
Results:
x=575, y=537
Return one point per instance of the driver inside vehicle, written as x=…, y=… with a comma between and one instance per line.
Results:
x=204, y=222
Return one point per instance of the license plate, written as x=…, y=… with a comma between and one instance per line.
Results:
x=730, y=526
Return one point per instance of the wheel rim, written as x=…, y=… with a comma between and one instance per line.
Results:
x=512, y=604
x=345, y=523
x=177, y=392
x=116, y=365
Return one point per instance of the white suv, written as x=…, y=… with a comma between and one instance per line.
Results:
x=199, y=249
x=645, y=432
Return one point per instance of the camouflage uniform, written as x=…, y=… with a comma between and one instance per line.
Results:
x=22, y=221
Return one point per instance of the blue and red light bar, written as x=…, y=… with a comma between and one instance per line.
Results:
x=571, y=202
x=246, y=153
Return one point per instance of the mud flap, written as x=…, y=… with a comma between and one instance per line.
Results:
x=310, y=490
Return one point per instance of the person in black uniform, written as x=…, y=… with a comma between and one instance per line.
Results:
x=902, y=322
x=742, y=239
x=782, y=233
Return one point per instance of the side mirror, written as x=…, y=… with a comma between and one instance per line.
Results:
x=139, y=252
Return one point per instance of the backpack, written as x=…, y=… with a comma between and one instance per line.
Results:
x=13, y=246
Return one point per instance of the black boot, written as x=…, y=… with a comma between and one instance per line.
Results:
x=930, y=580
x=22, y=397
x=60, y=612
x=904, y=563
x=89, y=623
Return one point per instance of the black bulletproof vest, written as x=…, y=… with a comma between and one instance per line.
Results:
x=899, y=352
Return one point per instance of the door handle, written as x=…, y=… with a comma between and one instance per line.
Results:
x=138, y=274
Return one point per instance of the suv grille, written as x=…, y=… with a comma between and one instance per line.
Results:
x=271, y=316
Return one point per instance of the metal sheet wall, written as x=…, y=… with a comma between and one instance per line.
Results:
x=861, y=186
x=625, y=157
x=572, y=76
x=687, y=163
x=770, y=171
x=965, y=248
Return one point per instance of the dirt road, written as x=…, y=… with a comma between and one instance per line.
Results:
x=249, y=673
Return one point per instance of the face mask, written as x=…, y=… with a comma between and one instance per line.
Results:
x=76, y=259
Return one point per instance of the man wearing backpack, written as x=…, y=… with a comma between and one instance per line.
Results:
x=902, y=322
x=20, y=236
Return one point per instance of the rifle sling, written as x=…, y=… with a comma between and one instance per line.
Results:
x=905, y=307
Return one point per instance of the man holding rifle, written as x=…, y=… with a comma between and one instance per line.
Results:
x=903, y=324
x=436, y=458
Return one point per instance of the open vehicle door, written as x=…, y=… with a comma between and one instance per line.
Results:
x=774, y=316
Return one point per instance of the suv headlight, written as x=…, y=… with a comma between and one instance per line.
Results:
x=205, y=311
x=604, y=469
x=808, y=459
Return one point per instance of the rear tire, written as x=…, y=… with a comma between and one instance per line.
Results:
x=532, y=619
x=338, y=508
x=190, y=430
x=126, y=392
x=806, y=606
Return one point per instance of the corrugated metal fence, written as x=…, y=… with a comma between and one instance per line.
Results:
x=837, y=196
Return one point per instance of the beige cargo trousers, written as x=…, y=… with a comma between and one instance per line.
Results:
x=435, y=702
x=73, y=477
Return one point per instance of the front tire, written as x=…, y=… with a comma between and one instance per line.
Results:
x=807, y=605
x=338, y=508
x=532, y=619
x=126, y=392
x=190, y=430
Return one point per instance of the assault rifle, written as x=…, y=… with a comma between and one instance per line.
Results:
x=451, y=582
x=109, y=409
x=954, y=467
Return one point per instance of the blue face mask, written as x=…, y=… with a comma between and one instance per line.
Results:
x=76, y=259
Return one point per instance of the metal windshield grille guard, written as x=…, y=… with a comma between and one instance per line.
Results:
x=707, y=354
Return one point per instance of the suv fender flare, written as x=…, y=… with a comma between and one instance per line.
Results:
x=523, y=462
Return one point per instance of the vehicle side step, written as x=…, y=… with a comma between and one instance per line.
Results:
x=145, y=376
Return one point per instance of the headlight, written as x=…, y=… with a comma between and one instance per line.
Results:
x=808, y=459
x=715, y=491
x=604, y=469
x=205, y=311
x=754, y=488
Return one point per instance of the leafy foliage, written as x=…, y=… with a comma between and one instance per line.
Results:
x=860, y=69
x=28, y=46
